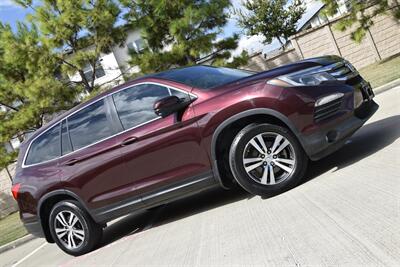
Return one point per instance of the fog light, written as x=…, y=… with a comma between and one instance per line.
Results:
x=329, y=98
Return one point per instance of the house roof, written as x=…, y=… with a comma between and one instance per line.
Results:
x=312, y=9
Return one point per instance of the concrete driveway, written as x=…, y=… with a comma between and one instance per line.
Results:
x=346, y=212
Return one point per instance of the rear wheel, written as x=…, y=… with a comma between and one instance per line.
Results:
x=73, y=230
x=267, y=159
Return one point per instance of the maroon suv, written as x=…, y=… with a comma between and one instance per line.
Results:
x=172, y=134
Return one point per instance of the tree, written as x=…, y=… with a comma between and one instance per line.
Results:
x=78, y=31
x=28, y=88
x=361, y=14
x=180, y=33
x=271, y=18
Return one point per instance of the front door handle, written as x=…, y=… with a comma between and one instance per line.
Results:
x=129, y=141
x=71, y=162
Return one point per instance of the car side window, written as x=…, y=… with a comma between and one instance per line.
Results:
x=135, y=105
x=179, y=94
x=90, y=125
x=46, y=147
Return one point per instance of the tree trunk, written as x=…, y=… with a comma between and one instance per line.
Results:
x=85, y=82
x=281, y=42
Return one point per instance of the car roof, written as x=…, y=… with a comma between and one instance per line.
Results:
x=172, y=75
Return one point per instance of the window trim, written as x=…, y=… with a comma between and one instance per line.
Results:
x=95, y=143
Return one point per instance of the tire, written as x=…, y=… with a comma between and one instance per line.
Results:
x=249, y=159
x=85, y=234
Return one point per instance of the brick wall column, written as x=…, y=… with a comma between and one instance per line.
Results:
x=297, y=47
x=372, y=44
x=333, y=40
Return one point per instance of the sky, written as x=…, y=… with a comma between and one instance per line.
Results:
x=11, y=13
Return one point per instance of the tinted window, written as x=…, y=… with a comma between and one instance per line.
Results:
x=89, y=125
x=45, y=147
x=135, y=105
x=204, y=77
x=179, y=93
x=65, y=142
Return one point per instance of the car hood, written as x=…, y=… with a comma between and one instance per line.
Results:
x=285, y=69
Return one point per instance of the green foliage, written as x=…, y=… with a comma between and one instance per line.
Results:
x=63, y=38
x=271, y=18
x=28, y=87
x=80, y=30
x=180, y=33
x=361, y=14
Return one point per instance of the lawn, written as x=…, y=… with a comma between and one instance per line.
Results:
x=382, y=72
x=11, y=228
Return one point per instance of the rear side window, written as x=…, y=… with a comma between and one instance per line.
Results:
x=135, y=105
x=46, y=147
x=90, y=125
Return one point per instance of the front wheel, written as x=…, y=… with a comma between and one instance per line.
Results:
x=267, y=159
x=73, y=230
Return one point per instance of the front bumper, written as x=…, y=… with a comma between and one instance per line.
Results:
x=324, y=142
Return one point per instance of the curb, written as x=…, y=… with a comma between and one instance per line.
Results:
x=16, y=243
x=386, y=87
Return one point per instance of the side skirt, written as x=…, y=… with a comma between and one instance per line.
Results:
x=163, y=195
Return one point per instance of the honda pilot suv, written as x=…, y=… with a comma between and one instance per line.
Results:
x=172, y=134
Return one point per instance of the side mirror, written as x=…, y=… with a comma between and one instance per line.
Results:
x=169, y=105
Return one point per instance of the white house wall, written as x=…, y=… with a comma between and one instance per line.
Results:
x=111, y=68
x=122, y=53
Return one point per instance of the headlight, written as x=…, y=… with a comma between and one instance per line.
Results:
x=307, y=77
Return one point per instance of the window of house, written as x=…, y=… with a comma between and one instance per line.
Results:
x=46, y=147
x=137, y=45
x=90, y=125
x=88, y=71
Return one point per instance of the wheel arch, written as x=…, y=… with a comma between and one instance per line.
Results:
x=228, y=129
x=45, y=204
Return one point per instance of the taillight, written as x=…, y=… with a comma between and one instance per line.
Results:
x=15, y=190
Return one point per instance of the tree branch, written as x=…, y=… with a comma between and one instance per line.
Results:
x=8, y=106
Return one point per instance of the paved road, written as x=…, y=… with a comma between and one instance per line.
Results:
x=347, y=212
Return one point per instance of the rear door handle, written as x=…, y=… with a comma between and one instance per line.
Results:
x=71, y=162
x=129, y=141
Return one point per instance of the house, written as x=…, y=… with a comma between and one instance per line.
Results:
x=314, y=16
x=111, y=67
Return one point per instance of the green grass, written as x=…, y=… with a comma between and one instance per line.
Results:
x=382, y=72
x=11, y=228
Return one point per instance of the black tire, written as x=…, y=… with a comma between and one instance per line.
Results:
x=249, y=183
x=92, y=231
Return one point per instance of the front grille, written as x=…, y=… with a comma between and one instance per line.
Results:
x=327, y=110
x=342, y=71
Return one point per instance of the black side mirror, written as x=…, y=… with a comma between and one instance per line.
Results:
x=169, y=105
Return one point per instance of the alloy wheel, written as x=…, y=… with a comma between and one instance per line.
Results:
x=269, y=158
x=69, y=229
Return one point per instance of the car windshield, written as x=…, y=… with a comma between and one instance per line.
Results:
x=204, y=77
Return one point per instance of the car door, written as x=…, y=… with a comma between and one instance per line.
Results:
x=161, y=154
x=91, y=164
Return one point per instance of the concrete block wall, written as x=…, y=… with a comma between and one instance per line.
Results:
x=381, y=41
x=386, y=35
x=258, y=63
x=7, y=203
